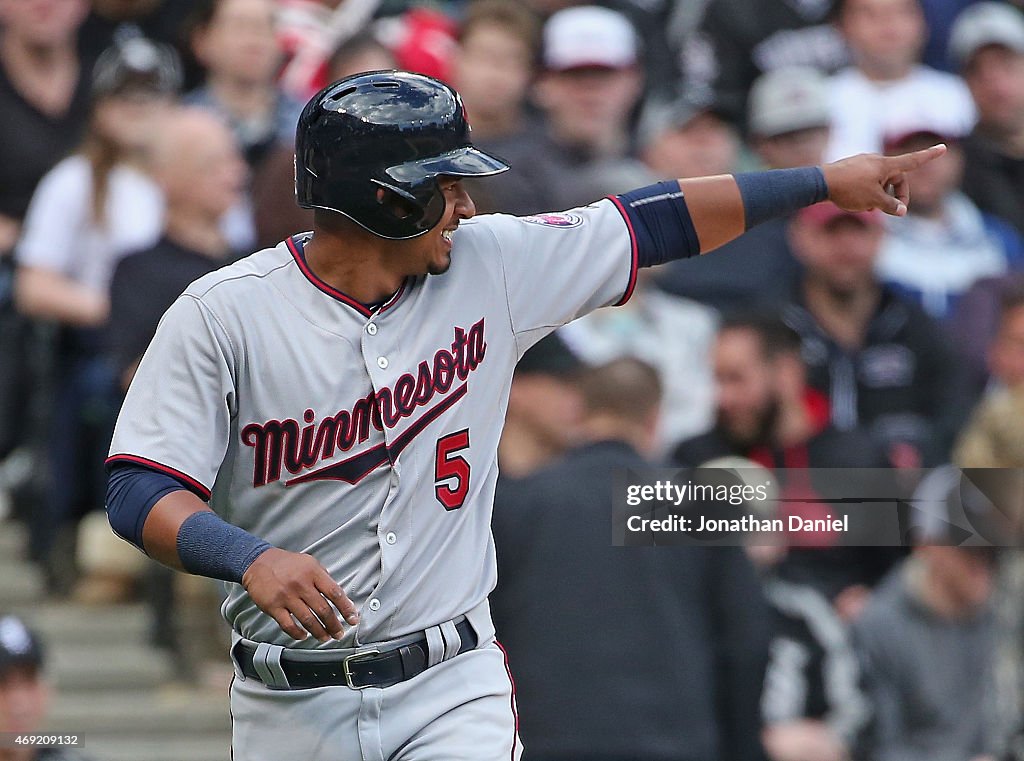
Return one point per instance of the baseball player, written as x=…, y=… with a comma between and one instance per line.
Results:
x=317, y=424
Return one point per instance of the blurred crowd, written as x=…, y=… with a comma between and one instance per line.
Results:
x=144, y=143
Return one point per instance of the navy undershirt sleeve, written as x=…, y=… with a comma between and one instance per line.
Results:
x=132, y=490
x=660, y=223
x=206, y=544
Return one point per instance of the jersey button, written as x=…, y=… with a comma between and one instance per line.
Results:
x=382, y=363
x=372, y=328
x=374, y=604
x=391, y=537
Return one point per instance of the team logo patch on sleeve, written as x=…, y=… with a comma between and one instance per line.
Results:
x=559, y=219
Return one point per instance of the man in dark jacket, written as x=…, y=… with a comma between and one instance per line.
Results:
x=677, y=673
x=766, y=412
x=883, y=363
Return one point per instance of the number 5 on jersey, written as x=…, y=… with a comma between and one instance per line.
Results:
x=451, y=471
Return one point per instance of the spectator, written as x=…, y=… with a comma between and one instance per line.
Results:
x=234, y=40
x=661, y=24
x=44, y=90
x=975, y=324
x=672, y=335
x=591, y=84
x=90, y=210
x=882, y=362
x=789, y=117
x=364, y=52
x=926, y=644
x=766, y=412
x=789, y=121
x=993, y=438
x=495, y=64
x=687, y=139
x=813, y=707
x=158, y=20
x=592, y=81
x=423, y=40
x=945, y=243
x=703, y=603
x=306, y=33
x=25, y=694
x=198, y=167
x=988, y=44
x=734, y=46
x=887, y=83
x=543, y=409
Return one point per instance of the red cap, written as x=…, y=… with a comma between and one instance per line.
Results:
x=822, y=214
x=427, y=43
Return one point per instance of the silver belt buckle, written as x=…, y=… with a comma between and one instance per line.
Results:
x=356, y=657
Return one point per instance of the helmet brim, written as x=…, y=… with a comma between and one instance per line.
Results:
x=462, y=162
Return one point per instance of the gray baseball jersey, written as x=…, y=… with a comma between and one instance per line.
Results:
x=366, y=438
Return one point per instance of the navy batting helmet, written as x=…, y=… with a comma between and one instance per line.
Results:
x=371, y=147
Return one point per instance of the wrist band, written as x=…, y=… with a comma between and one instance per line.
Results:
x=779, y=192
x=209, y=546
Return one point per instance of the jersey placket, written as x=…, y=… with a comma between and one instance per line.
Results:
x=380, y=351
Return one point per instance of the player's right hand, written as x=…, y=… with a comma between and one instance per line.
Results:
x=870, y=181
x=290, y=587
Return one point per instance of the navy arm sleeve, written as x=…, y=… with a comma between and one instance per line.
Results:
x=132, y=490
x=207, y=545
x=660, y=221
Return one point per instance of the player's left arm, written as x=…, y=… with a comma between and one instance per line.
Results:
x=723, y=207
x=597, y=260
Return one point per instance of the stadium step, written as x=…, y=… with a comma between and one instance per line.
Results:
x=20, y=584
x=112, y=687
x=143, y=714
x=13, y=537
x=179, y=747
x=91, y=625
x=113, y=666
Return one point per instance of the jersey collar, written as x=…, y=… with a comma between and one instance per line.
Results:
x=295, y=246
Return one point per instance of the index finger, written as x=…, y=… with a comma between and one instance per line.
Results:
x=909, y=161
x=330, y=589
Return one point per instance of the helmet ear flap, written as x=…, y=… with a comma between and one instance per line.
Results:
x=398, y=205
x=420, y=209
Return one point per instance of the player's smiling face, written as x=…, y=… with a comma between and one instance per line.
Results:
x=432, y=253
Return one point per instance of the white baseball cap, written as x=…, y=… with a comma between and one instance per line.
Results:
x=788, y=99
x=987, y=23
x=586, y=36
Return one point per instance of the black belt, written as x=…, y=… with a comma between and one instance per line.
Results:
x=369, y=668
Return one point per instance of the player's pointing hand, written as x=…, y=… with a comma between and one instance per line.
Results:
x=869, y=181
x=290, y=587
